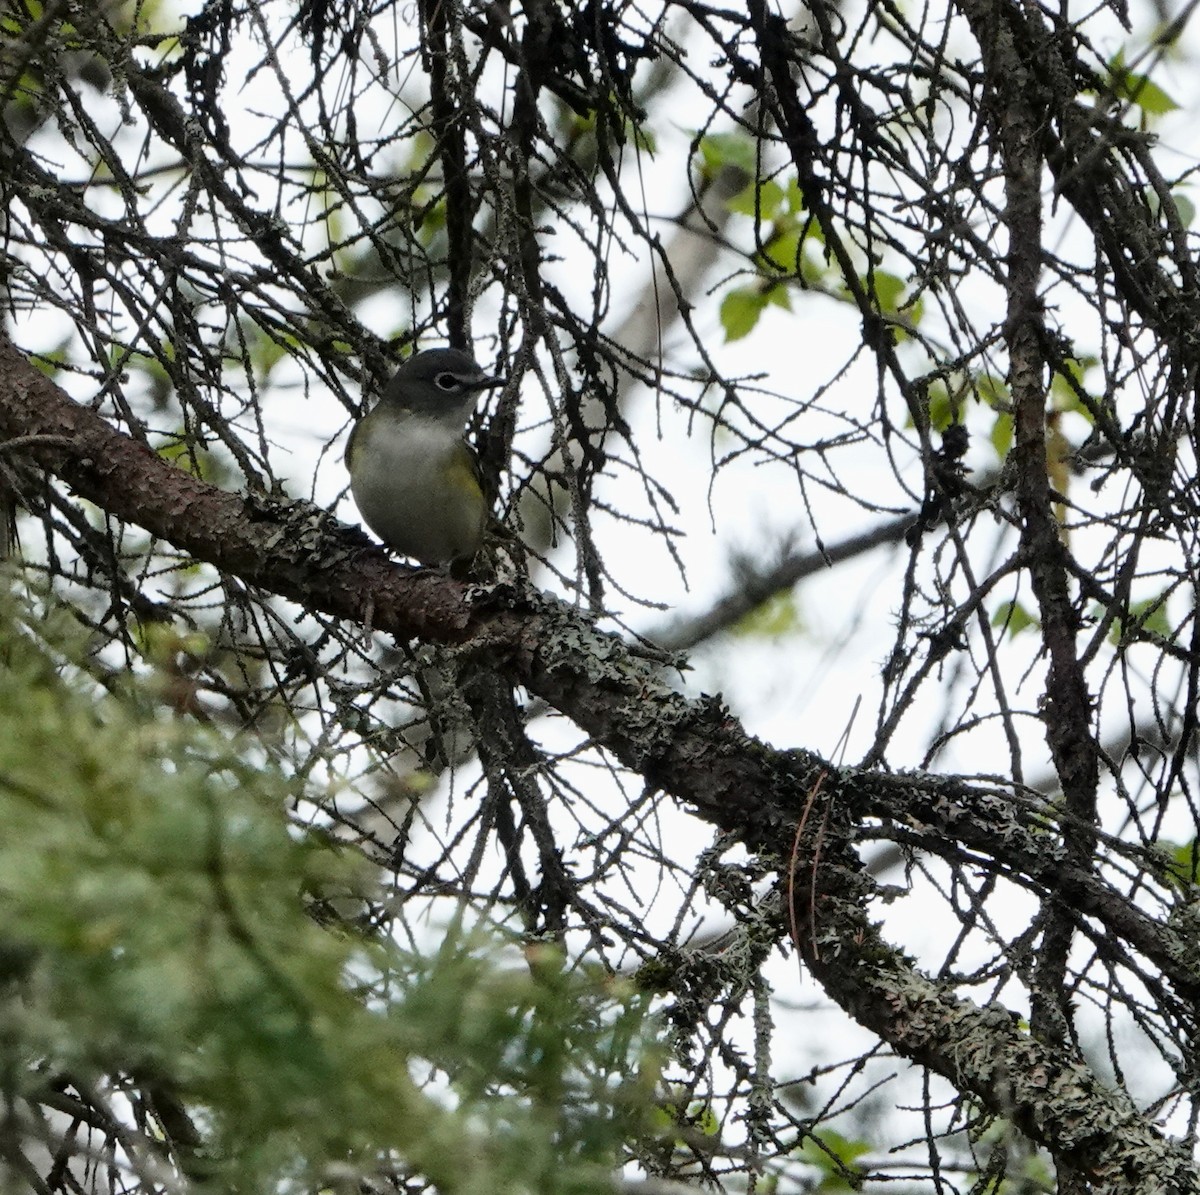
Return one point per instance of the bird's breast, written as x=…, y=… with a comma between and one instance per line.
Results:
x=415, y=487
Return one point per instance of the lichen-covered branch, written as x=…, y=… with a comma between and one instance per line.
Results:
x=693, y=749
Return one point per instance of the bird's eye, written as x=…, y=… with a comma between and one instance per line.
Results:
x=446, y=381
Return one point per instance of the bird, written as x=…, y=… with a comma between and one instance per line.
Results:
x=414, y=479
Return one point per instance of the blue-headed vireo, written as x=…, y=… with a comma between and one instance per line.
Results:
x=413, y=477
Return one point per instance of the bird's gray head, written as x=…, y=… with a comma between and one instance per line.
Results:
x=444, y=382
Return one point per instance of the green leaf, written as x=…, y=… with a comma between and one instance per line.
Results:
x=1178, y=861
x=1148, y=96
x=163, y=642
x=268, y=349
x=835, y=1157
x=1066, y=384
x=718, y=150
x=705, y=1119
x=1002, y=435
x=1014, y=618
x=888, y=289
x=52, y=360
x=942, y=408
x=740, y=310
x=764, y=200
x=994, y=391
x=643, y=137
x=780, y=296
x=781, y=251
x=772, y=619
x=1185, y=210
x=1145, y=618
x=1138, y=89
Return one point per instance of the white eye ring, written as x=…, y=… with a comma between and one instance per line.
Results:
x=446, y=381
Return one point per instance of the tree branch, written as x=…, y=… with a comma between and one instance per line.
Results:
x=693, y=749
